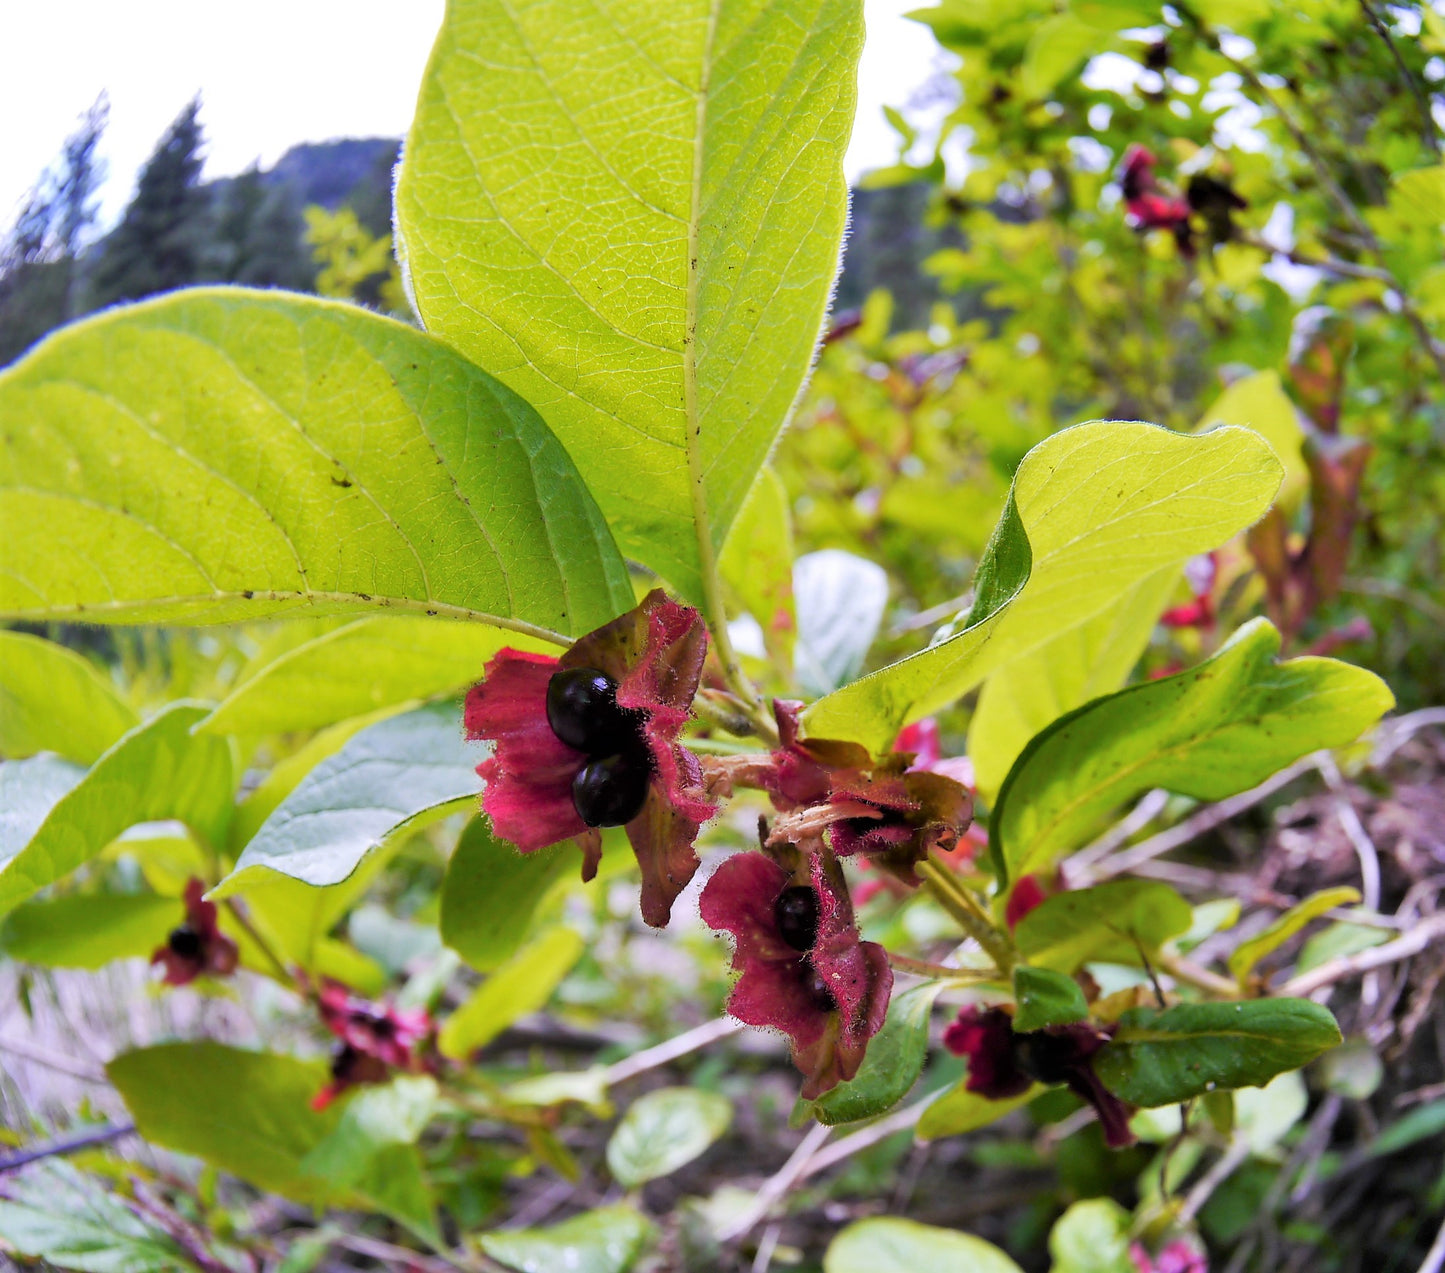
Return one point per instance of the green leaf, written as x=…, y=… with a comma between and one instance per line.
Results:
x=883, y=1244
x=90, y=929
x=367, y=665
x=1259, y=402
x=394, y=776
x=635, y=224
x=491, y=894
x=605, y=1240
x=158, y=771
x=1217, y=729
x=1262, y=1115
x=1092, y=1237
x=1093, y=511
x=840, y=600
x=1058, y=48
x=225, y=454
x=1106, y=923
x=663, y=1131
x=522, y=985
x=757, y=562
x=1338, y=941
x=1165, y=1057
x=55, y=1213
x=1032, y=691
x=249, y=1113
x=1249, y=952
x=958, y=1110
x=369, y=1148
x=891, y=1066
x=52, y=699
x=1045, y=997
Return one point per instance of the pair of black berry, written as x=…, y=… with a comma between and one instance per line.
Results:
x=582, y=709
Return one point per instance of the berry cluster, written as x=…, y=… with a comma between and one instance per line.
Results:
x=582, y=710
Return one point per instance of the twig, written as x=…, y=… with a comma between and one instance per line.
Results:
x=671, y=1049
x=1422, y=98
x=52, y=1060
x=1224, y=1167
x=1435, y=1257
x=1194, y=826
x=1150, y=806
x=398, y=1257
x=766, y=1247
x=1329, y=264
x=1327, y=974
x=1185, y=970
x=898, y=1121
x=1364, y=847
x=776, y=1187
x=66, y=1145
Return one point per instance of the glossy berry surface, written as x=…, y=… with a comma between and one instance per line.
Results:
x=583, y=712
x=796, y=914
x=611, y=791
x=185, y=942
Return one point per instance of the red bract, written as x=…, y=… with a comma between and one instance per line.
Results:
x=1147, y=206
x=1027, y=895
x=829, y=997
x=1177, y=1256
x=197, y=946
x=1002, y=1063
x=375, y=1040
x=655, y=656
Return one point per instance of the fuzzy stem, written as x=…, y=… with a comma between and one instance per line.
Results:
x=960, y=904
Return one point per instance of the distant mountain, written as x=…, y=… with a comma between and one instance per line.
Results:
x=329, y=172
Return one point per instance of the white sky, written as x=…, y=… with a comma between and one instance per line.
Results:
x=276, y=72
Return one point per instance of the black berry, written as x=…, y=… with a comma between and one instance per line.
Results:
x=818, y=991
x=583, y=712
x=796, y=915
x=610, y=791
x=185, y=942
x=1045, y=1057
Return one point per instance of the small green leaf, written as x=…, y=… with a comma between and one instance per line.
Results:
x=1045, y=997
x=1262, y=1115
x=491, y=893
x=1060, y=46
x=396, y=775
x=640, y=241
x=158, y=771
x=1217, y=729
x=225, y=454
x=1248, y=953
x=366, y=665
x=883, y=1244
x=52, y=699
x=663, y=1131
x=840, y=599
x=249, y=1113
x=56, y=1214
x=1353, y=1070
x=522, y=985
x=605, y=1240
x=891, y=1066
x=1092, y=1237
x=1107, y=923
x=1259, y=402
x=1338, y=941
x=1162, y=1057
x=1093, y=511
x=90, y=929
x=958, y=1110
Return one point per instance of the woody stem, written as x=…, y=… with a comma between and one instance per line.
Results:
x=962, y=906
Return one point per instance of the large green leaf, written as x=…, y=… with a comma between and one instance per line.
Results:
x=55, y=1213
x=90, y=929
x=491, y=892
x=664, y=1130
x=1161, y=1057
x=1210, y=732
x=1032, y=691
x=632, y=216
x=158, y=771
x=883, y=1244
x=51, y=699
x=225, y=454
x=29, y=790
x=367, y=665
x=1093, y=512
x=521, y=985
x=1108, y=923
x=395, y=775
x=605, y=1240
x=249, y=1113
x=891, y=1066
